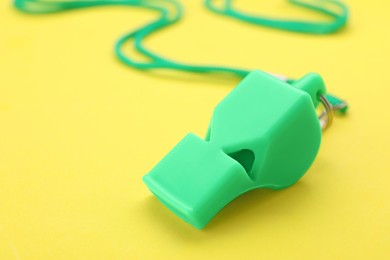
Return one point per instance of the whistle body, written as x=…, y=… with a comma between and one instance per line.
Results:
x=264, y=134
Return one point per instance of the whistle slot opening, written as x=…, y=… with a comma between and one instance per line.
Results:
x=244, y=157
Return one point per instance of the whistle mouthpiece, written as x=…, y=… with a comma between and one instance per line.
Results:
x=195, y=180
x=264, y=134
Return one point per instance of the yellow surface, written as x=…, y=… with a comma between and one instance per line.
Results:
x=79, y=130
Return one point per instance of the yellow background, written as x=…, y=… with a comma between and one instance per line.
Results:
x=78, y=130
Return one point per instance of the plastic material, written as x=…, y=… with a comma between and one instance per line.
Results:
x=264, y=134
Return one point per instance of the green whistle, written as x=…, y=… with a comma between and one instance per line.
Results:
x=264, y=134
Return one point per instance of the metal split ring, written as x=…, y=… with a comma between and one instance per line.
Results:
x=326, y=116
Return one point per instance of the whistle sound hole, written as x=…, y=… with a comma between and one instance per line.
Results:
x=244, y=157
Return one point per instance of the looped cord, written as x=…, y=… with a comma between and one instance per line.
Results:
x=171, y=11
x=326, y=7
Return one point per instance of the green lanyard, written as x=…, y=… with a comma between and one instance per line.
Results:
x=339, y=17
x=171, y=11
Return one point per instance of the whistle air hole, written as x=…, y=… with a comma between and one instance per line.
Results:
x=244, y=157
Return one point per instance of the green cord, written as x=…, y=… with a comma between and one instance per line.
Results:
x=157, y=61
x=169, y=16
x=166, y=17
x=339, y=18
